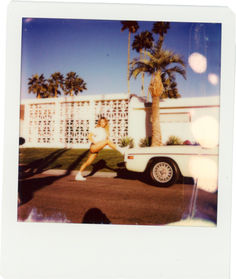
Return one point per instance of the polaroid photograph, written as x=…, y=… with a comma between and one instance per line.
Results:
x=145, y=141
x=119, y=140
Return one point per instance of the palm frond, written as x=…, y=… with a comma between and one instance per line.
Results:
x=132, y=26
x=160, y=27
x=176, y=69
x=135, y=72
x=141, y=66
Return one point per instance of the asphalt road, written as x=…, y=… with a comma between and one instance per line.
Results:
x=105, y=200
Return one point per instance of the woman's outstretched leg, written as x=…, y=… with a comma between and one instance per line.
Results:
x=115, y=147
x=88, y=162
x=112, y=145
x=96, y=147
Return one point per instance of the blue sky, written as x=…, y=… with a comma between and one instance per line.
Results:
x=97, y=51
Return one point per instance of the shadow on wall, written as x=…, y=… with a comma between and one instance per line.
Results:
x=148, y=123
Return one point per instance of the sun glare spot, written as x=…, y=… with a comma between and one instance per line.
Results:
x=27, y=20
x=197, y=62
x=213, y=79
x=205, y=170
x=206, y=131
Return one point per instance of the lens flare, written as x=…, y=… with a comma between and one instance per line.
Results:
x=206, y=131
x=37, y=216
x=213, y=79
x=205, y=170
x=27, y=20
x=197, y=62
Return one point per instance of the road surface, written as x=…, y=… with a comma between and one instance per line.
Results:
x=59, y=198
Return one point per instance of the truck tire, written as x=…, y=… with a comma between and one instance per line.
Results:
x=163, y=172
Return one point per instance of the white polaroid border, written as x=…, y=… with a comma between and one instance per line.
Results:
x=39, y=250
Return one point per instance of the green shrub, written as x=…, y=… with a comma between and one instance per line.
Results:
x=145, y=142
x=173, y=140
x=126, y=141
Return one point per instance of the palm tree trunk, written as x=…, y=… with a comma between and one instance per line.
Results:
x=128, y=62
x=143, y=94
x=148, y=93
x=143, y=85
x=160, y=42
x=156, y=89
x=144, y=56
x=156, y=127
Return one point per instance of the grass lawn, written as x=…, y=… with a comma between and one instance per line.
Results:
x=54, y=158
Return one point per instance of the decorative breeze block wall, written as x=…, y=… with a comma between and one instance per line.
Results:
x=67, y=121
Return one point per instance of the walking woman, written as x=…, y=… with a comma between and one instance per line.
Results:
x=99, y=138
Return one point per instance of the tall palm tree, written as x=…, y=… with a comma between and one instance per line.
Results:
x=161, y=29
x=37, y=85
x=162, y=66
x=74, y=84
x=55, y=83
x=142, y=42
x=132, y=26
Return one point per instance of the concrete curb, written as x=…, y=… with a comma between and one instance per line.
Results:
x=74, y=172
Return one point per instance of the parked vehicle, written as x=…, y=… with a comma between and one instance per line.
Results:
x=164, y=165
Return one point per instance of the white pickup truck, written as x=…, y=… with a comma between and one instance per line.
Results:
x=164, y=165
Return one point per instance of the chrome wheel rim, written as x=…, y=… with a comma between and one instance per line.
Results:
x=162, y=172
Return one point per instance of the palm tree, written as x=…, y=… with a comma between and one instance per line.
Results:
x=143, y=41
x=74, y=84
x=55, y=82
x=162, y=66
x=132, y=26
x=161, y=29
x=37, y=85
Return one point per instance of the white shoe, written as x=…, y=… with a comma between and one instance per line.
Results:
x=79, y=177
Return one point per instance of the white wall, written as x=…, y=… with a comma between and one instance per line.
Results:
x=177, y=117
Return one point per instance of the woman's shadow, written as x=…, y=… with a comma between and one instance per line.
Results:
x=40, y=165
x=27, y=187
x=121, y=171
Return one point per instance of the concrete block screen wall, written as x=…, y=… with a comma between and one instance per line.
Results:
x=66, y=122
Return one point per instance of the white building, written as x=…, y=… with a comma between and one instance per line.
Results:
x=66, y=121
x=176, y=117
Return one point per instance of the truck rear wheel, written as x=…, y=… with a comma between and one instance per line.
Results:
x=163, y=172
